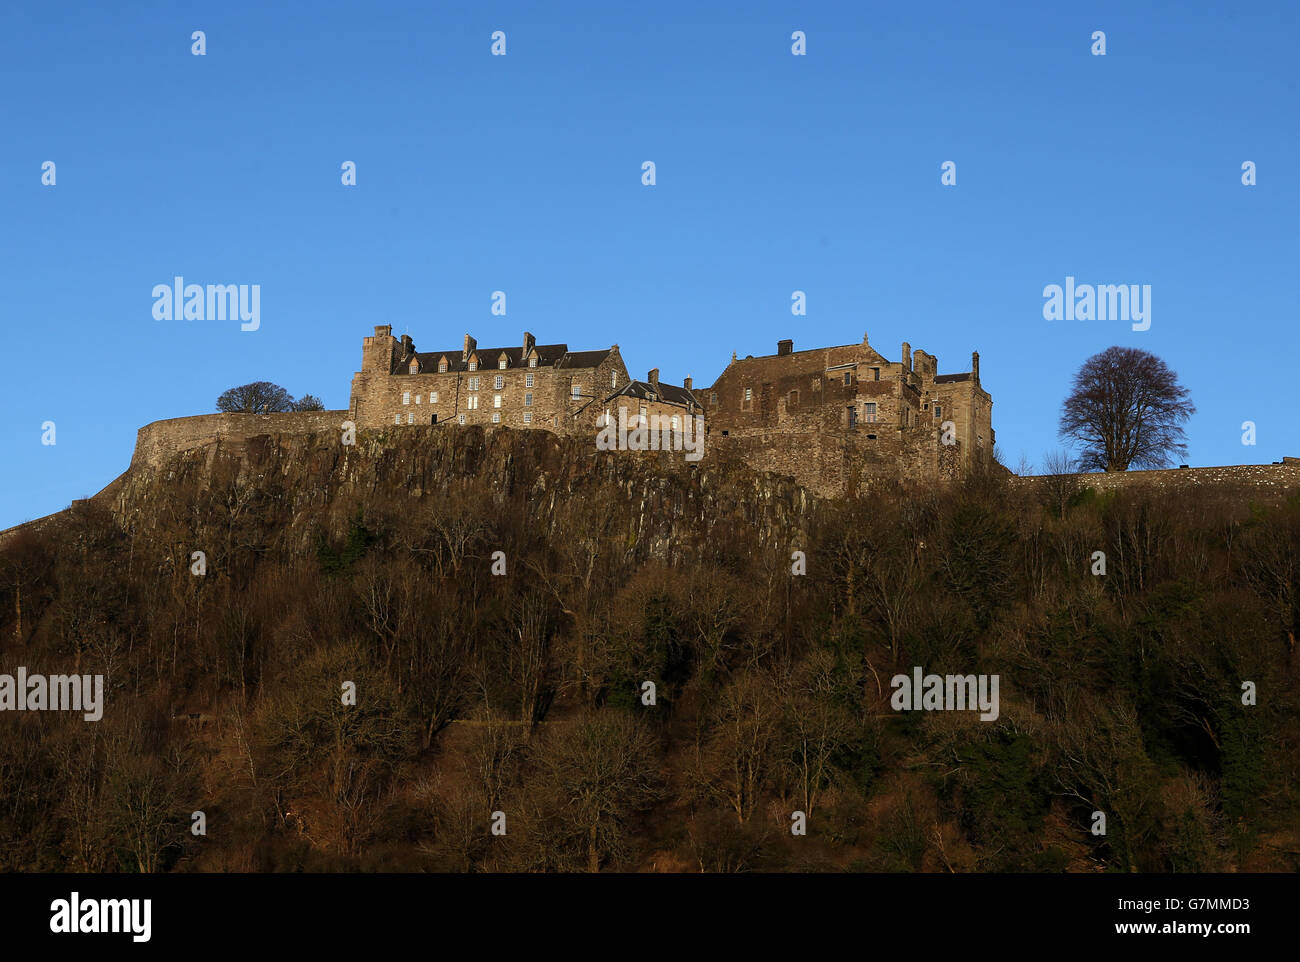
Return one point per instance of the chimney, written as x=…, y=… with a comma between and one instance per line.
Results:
x=470, y=344
x=408, y=346
x=784, y=347
x=907, y=356
x=529, y=341
x=653, y=378
x=975, y=365
x=686, y=383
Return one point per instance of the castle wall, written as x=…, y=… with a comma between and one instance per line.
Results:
x=160, y=439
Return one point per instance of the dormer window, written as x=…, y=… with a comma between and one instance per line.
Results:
x=415, y=366
x=532, y=361
x=501, y=364
x=442, y=366
x=473, y=364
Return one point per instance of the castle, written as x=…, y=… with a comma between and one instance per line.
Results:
x=828, y=413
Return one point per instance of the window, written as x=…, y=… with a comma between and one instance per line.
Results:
x=749, y=393
x=713, y=397
x=433, y=419
x=501, y=364
x=473, y=365
x=641, y=411
x=532, y=362
x=853, y=417
x=498, y=382
x=528, y=380
x=417, y=399
x=676, y=423
x=875, y=374
x=496, y=417
x=442, y=367
x=528, y=400
x=433, y=397
x=848, y=378
x=410, y=417
x=473, y=383
x=528, y=417
x=869, y=412
x=575, y=389
x=406, y=397
x=613, y=379
x=794, y=399
x=397, y=418
x=938, y=411
x=496, y=400
x=460, y=419
x=415, y=367
x=471, y=403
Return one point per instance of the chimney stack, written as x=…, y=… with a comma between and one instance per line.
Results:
x=686, y=383
x=907, y=356
x=784, y=347
x=975, y=365
x=529, y=342
x=653, y=378
x=408, y=346
x=470, y=344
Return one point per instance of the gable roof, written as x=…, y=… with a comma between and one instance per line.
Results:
x=548, y=355
x=667, y=392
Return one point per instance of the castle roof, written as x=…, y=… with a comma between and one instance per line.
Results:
x=548, y=355
x=667, y=392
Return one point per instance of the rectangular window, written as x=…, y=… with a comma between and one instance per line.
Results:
x=749, y=393
x=641, y=411
x=501, y=364
x=406, y=397
x=473, y=365
x=496, y=400
x=410, y=417
x=532, y=362
x=460, y=419
x=575, y=389
x=471, y=402
x=875, y=374
x=397, y=418
x=848, y=378
x=442, y=367
x=613, y=379
x=938, y=412
x=496, y=417
x=528, y=417
x=794, y=399
x=433, y=397
x=869, y=412
x=473, y=383
x=528, y=380
x=499, y=382
x=417, y=399
x=677, y=425
x=528, y=400
x=853, y=417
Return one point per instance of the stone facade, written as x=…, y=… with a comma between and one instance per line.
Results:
x=529, y=385
x=850, y=402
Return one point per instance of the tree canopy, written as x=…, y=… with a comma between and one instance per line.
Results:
x=1126, y=410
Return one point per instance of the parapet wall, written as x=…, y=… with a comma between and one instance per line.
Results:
x=1274, y=477
x=157, y=441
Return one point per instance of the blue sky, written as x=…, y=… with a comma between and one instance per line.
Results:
x=522, y=173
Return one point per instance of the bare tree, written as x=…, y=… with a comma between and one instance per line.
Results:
x=1126, y=410
x=259, y=397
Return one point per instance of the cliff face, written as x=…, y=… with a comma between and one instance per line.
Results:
x=294, y=482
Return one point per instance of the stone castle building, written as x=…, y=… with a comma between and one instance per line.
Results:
x=830, y=413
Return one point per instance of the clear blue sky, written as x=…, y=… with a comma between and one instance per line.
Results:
x=523, y=174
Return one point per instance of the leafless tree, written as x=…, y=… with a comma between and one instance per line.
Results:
x=1126, y=410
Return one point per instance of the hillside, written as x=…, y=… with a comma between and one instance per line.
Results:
x=522, y=693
